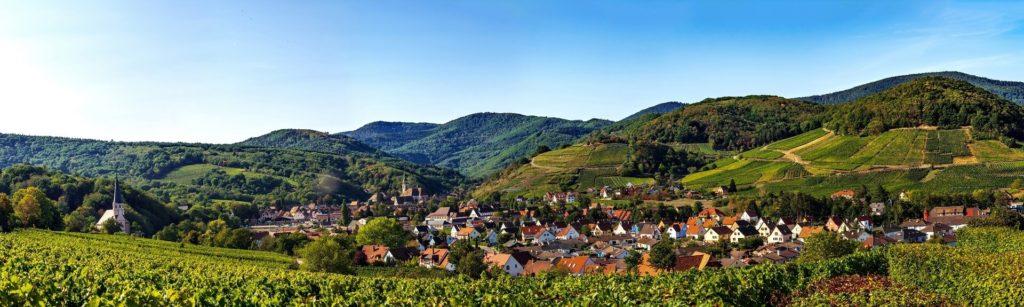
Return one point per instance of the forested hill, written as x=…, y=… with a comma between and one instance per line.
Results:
x=389, y=136
x=477, y=144
x=191, y=173
x=1009, y=90
x=660, y=108
x=733, y=123
x=312, y=141
x=929, y=101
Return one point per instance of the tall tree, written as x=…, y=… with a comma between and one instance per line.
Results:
x=6, y=213
x=33, y=209
x=662, y=256
x=383, y=231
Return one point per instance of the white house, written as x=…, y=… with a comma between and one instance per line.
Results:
x=567, y=233
x=742, y=233
x=505, y=262
x=716, y=234
x=780, y=234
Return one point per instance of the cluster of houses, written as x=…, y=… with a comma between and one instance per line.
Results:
x=520, y=244
x=307, y=215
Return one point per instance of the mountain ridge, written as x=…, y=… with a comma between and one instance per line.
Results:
x=1009, y=90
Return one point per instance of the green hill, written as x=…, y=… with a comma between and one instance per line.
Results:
x=660, y=108
x=312, y=141
x=478, y=144
x=929, y=101
x=733, y=123
x=932, y=133
x=192, y=173
x=388, y=136
x=1009, y=90
x=655, y=146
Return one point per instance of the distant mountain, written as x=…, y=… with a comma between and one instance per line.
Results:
x=389, y=136
x=478, y=144
x=1009, y=90
x=929, y=101
x=660, y=108
x=310, y=140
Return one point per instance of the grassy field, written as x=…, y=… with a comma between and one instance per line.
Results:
x=186, y=174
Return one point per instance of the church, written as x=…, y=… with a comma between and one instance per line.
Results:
x=116, y=213
x=409, y=195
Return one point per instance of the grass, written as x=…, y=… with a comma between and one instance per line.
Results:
x=186, y=174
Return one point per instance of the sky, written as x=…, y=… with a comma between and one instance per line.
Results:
x=224, y=71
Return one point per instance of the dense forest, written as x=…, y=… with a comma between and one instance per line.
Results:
x=1009, y=90
x=478, y=144
x=388, y=136
x=733, y=123
x=660, y=108
x=188, y=173
x=312, y=141
x=932, y=101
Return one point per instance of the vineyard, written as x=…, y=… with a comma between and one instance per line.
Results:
x=65, y=269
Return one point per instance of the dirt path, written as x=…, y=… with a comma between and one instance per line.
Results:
x=791, y=153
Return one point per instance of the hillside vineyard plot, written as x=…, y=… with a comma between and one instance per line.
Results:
x=63, y=269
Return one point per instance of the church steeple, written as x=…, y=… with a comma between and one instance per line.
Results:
x=116, y=211
x=117, y=192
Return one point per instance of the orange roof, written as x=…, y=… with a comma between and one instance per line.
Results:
x=711, y=211
x=465, y=232
x=375, y=253
x=534, y=267
x=497, y=259
x=575, y=265
x=845, y=193
x=708, y=223
x=810, y=230
x=533, y=230
x=565, y=231
x=729, y=220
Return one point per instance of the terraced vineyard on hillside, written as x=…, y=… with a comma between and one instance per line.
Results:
x=822, y=162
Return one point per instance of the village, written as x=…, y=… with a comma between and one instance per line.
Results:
x=527, y=239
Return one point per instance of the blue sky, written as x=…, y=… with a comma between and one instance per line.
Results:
x=223, y=71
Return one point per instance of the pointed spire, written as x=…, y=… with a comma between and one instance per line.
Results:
x=116, y=191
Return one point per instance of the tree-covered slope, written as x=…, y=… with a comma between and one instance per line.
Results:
x=1009, y=90
x=929, y=101
x=660, y=108
x=203, y=172
x=81, y=200
x=479, y=144
x=312, y=141
x=388, y=136
x=733, y=122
